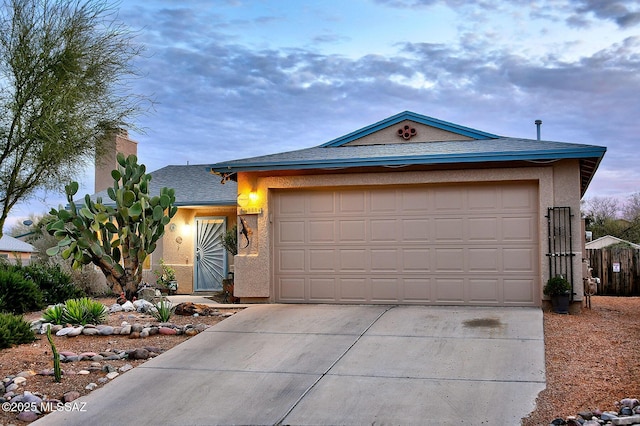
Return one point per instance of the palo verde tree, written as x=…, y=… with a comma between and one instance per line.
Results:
x=116, y=239
x=65, y=66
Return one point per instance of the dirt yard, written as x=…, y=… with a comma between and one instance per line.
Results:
x=37, y=356
x=592, y=359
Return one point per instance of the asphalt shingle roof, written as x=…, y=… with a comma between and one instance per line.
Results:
x=12, y=245
x=467, y=151
x=194, y=186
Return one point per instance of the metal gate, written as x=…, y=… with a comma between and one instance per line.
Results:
x=211, y=257
x=560, y=251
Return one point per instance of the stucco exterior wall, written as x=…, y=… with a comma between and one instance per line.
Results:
x=566, y=182
x=559, y=185
x=15, y=257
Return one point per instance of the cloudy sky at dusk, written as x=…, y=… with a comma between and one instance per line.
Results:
x=241, y=78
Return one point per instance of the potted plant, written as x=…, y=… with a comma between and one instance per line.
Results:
x=166, y=278
x=230, y=243
x=559, y=290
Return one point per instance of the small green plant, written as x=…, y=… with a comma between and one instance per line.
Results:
x=57, y=371
x=54, y=314
x=14, y=330
x=163, y=310
x=20, y=295
x=556, y=286
x=230, y=240
x=166, y=277
x=84, y=311
x=97, y=311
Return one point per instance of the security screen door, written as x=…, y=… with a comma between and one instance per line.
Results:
x=211, y=257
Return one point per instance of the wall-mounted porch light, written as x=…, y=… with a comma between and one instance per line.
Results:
x=248, y=203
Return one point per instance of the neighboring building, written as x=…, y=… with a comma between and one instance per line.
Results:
x=409, y=210
x=607, y=241
x=15, y=250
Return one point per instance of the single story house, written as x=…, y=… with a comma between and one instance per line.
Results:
x=15, y=250
x=409, y=210
x=607, y=241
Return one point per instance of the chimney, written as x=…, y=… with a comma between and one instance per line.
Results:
x=116, y=142
x=538, y=123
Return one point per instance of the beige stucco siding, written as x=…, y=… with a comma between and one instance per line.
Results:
x=558, y=185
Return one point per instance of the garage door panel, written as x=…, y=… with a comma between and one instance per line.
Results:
x=321, y=231
x=384, y=260
x=322, y=289
x=415, y=229
x=519, y=229
x=292, y=289
x=322, y=260
x=353, y=289
x=291, y=261
x=518, y=291
x=455, y=244
x=449, y=290
x=417, y=290
x=484, y=291
x=383, y=230
x=290, y=204
x=449, y=229
x=449, y=260
x=483, y=259
x=352, y=202
x=414, y=201
x=383, y=201
x=513, y=198
x=385, y=290
x=353, y=260
x=483, y=198
x=416, y=260
x=352, y=230
x=448, y=199
x=321, y=203
x=518, y=260
x=291, y=232
x=483, y=229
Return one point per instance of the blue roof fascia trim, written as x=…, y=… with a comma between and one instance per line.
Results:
x=408, y=115
x=593, y=152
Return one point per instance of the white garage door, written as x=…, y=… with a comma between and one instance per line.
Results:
x=470, y=244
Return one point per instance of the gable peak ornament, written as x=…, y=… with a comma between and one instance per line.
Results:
x=406, y=132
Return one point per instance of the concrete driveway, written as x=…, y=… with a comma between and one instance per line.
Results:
x=330, y=365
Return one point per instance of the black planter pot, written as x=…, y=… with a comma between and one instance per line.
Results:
x=560, y=303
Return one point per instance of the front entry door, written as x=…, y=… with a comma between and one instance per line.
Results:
x=211, y=257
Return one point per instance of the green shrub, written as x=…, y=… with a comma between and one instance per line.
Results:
x=14, y=330
x=20, y=295
x=54, y=314
x=55, y=284
x=84, y=311
x=162, y=310
x=557, y=285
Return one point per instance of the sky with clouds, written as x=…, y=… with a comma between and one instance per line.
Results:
x=241, y=78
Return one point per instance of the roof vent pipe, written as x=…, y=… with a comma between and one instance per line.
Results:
x=538, y=123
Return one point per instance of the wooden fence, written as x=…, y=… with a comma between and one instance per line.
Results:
x=618, y=270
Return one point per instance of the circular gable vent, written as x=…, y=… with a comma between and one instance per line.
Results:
x=407, y=132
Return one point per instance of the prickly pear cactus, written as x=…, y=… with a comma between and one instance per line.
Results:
x=116, y=239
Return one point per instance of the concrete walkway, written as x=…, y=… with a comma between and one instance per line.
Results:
x=330, y=365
